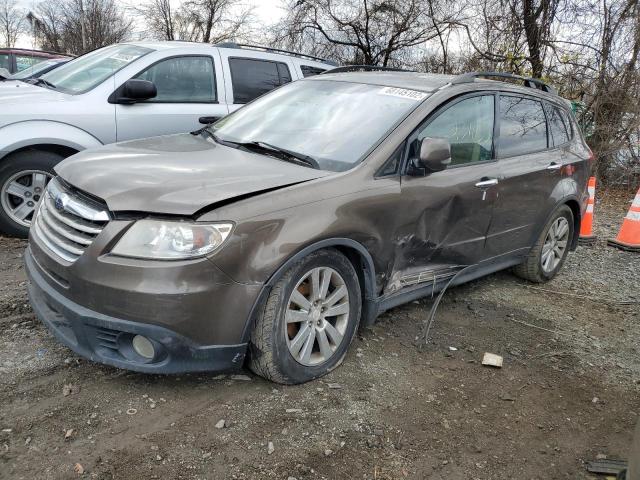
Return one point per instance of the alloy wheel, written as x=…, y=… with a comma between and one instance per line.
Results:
x=20, y=194
x=317, y=316
x=555, y=245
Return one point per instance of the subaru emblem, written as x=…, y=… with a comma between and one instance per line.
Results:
x=61, y=201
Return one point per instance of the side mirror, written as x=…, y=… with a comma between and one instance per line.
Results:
x=208, y=120
x=133, y=91
x=435, y=155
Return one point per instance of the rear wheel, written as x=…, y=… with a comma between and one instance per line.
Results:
x=309, y=320
x=23, y=177
x=550, y=250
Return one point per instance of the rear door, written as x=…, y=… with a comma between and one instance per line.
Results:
x=449, y=212
x=252, y=75
x=530, y=171
x=187, y=90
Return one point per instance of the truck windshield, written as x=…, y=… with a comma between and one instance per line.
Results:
x=86, y=72
x=335, y=122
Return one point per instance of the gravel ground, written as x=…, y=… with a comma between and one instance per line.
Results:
x=568, y=391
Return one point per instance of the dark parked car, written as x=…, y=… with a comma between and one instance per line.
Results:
x=278, y=230
x=14, y=60
x=38, y=69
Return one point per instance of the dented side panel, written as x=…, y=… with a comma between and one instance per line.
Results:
x=445, y=221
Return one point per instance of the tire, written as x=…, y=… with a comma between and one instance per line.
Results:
x=34, y=165
x=273, y=339
x=532, y=268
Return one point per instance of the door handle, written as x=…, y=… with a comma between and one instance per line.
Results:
x=554, y=166
x=208, y=120
x=486, y=183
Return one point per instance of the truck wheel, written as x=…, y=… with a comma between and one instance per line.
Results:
x=550, y=250
x=23, y=177
x=308, y=321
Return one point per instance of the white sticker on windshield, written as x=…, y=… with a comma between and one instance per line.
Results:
x=122, y=57
x=404, y=93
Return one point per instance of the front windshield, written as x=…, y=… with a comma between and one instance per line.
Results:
x=334, y=122
x=33, y=70
x=86, y=72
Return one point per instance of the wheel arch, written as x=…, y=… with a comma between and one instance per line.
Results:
x=573, y=203
x=355, y=252
x=59, y=149
x=44, y=135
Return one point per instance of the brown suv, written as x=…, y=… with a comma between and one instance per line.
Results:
x=275, y=232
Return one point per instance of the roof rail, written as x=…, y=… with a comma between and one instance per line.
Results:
x=364, y=68
x=273, y=50
x=528, y=81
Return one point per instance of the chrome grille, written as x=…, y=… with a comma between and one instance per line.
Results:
x=66, y=222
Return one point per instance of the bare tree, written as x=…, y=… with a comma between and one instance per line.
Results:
x=209, y=21
x=159, y=18
x=60, y=26
x=511, y=34
x=372, y=32
x=12, y=22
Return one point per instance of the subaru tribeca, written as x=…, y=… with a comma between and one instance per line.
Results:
x=271, y=235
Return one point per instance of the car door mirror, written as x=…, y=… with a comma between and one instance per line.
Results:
x=135, y=90
x=435, y=155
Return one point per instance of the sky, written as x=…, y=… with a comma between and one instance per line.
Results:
x=266, y=11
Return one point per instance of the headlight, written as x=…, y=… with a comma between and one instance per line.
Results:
x=167, y=240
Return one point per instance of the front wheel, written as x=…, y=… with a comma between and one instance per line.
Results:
x=309, y=320
x=550, y=250
x=23, y=178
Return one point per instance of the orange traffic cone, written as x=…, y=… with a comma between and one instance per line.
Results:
x=586, y=225
x=629, y=235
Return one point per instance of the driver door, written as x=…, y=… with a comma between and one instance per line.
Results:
x=187, y=90
x=451, y=210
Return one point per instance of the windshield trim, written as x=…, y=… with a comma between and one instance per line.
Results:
x=210, y=128
x=70, y=92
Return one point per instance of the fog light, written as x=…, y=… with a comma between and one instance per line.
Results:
x=143, y=347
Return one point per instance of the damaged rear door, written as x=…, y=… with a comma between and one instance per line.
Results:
x=447, y=214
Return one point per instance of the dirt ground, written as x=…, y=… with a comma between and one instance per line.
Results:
x=567, y=393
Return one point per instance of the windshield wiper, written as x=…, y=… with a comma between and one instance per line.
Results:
x=214, y=137
x=284, y=154
x=41, y=81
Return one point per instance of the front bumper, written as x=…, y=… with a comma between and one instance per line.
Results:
x=105, y=339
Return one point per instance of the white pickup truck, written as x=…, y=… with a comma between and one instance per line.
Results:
x=122, y=92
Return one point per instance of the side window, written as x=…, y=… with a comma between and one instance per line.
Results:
x=4, y=61
x=523, y=126
x=559, y=126
x=182, y=80
x=26, y=61
x=309, y=71
x=283, y=71
x=251, y=77
x=468, y=125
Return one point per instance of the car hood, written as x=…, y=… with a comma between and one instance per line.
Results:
x=17, y=92
x=176, y=174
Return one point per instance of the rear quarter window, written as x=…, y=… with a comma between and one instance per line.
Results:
x=252, y=77
x=523, y=126
x=309, y=71
x=559, y=126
